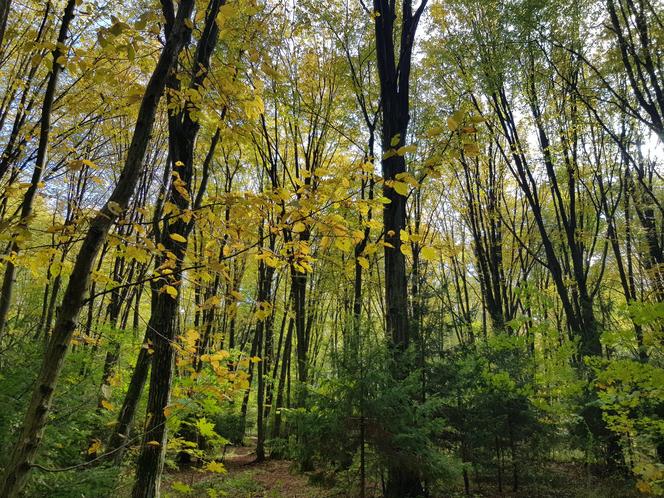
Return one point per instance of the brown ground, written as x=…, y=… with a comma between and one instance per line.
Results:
x=279, y=479
x=246, y=479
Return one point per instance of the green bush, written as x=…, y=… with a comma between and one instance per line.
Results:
x=230, y=426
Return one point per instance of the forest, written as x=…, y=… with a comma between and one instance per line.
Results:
x=355, y=248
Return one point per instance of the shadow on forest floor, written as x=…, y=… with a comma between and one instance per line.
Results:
x=559, y=480
x=279, y=479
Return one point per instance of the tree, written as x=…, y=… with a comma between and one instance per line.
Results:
x=394, y=67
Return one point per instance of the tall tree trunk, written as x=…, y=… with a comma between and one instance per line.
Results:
x=285, y=366
x=394, y=74
x=263, y=330
x=5, y=7
x=183, y=131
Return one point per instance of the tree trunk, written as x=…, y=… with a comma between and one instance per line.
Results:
x=394, y=75
x=120, y=438
x=183, y=130
x=5, y=7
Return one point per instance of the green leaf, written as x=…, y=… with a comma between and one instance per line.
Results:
x=181, y=487
x=205, y=427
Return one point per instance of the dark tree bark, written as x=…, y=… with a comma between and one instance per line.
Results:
x=394, y=73
x=5, y=7
x=120, y=438
x=263, y=330
x=183, y=131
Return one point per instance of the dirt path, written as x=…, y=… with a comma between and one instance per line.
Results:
x=244, y=479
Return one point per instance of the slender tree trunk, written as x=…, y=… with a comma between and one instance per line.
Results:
x=285, y=364
x=121, y=433
x=263, y=329
x=150, y=462
x=247, y=392
x=5, y=7
x=260, y=425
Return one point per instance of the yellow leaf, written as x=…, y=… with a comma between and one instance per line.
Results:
x=190, y=337
x=107, y=404
x=452, y=124
x=75, y=165
x=58, y=227
x=136, y=253
x=215, y=467
x=171, y=291
x=363, y=262
x=429, y=253
x=471, y=149
x=114, y=208
x=271, y=262
x=406, y=250
x=153, y=443
x=402, y=151
x=95, y=446
x=395, y=140
x=299, y=227
x=400, y=187
x=432, y=132
x=368, y=167
x=344, y=243
x=177, y=237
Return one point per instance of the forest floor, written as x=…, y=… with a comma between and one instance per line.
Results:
x=280, y=479
x=246, y=479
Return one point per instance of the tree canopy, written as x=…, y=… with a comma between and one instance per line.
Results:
x=409, y=249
